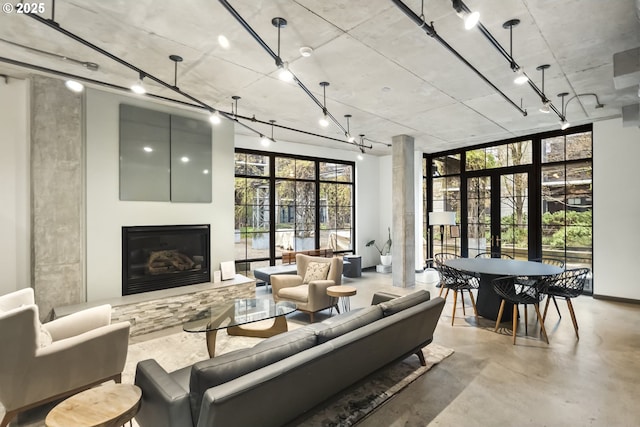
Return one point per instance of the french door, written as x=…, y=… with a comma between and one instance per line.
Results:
x=498, y=207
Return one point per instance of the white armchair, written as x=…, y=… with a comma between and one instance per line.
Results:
x=41, y=363
x=309, y=297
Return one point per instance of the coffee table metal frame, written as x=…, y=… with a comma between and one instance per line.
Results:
x=236, y=316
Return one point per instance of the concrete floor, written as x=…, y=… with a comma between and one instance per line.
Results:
x=594, y=381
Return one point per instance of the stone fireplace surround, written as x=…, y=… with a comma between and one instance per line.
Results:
x=75, y=205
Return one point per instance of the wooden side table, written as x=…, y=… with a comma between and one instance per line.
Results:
x=110, y=405
x=343, y=293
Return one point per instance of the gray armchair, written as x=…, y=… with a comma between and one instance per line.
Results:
x=310, y=297
x=41, y=363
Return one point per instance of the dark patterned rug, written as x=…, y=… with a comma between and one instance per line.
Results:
x=355, y=403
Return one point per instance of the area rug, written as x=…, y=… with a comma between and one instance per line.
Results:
x=181, y=349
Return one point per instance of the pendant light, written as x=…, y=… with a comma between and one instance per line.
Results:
x=347, y=134
x=521, y=78
x=324, y=122
x=545, y=102
x=284, y=74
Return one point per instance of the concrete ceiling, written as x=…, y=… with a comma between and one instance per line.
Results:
x=383, y=70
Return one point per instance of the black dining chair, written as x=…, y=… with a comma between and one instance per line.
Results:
x=490, y=255
x=458, y=281
x=568, y=284
x=439, y=259
x=558, y=263
x=521, y=290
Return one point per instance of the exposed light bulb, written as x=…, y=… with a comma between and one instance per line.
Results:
x=349, y=137
x=74, y=86
x=264, y=141
x=285, y=75
x=214, y=118
x=323, y=121
x=564, y=124
x=360, y=157
x=138, y=87
x=521, y=78
x=223, y=41
x=545, y=107
x=471, y=20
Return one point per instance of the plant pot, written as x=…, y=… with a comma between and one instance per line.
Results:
x=385, y=259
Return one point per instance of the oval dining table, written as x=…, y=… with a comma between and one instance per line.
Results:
x=488, y=302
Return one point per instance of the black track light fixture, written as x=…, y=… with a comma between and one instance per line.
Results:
x=284, y=74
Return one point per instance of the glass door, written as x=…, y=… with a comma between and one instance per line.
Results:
x=498, y=207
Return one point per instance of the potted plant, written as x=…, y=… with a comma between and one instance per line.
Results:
x=385, y=250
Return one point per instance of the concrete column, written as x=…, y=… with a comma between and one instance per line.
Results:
x=403, y=201
x=57, y=195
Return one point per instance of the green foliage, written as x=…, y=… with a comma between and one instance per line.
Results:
x=576, y=233
x=386, y=248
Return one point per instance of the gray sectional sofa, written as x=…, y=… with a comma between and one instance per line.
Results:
x=284, y=376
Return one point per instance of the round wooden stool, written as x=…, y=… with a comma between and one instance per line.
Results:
x=343, y=293
x=110, y=405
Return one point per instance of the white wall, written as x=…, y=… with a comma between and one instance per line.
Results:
x=367, y=189
x=106, y=214
x=616, y=225
x=14, y=186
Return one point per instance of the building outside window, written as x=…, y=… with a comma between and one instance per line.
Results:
x=527, y=198
x=312, y=202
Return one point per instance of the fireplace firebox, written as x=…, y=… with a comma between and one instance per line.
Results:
x=164, y=256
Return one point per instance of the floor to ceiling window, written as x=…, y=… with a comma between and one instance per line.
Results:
x=527, y=198
x=290, y=203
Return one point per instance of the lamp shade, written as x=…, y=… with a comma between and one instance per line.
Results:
x=442, y=218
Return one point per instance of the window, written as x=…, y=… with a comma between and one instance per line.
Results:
x=567, y=199
x=528, y=198
x=288, y=203
x=445, y=185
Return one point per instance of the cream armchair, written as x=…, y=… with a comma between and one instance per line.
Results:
x=41, y=363
x=310, y=297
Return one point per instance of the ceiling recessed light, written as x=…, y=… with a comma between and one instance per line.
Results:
x=306, y=51
x=223, y=41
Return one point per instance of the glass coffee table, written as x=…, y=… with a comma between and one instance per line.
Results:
x=235, y=316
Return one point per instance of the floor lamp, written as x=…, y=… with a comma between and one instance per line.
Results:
x=442, y=219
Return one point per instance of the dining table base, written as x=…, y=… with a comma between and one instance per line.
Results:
x=488, y=301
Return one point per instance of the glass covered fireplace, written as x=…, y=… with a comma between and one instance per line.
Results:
x=162, y=257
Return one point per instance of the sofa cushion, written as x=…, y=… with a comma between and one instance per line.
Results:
x=316, y=271
x=329, y=329
x=295, y=293
x=221, y=369
x=398, y=304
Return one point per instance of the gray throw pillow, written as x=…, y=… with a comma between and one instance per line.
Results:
x=401, y=303
x=332, y=328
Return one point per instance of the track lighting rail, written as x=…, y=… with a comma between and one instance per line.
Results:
x=431, y=32
x=277, y=59
x=198, y=103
